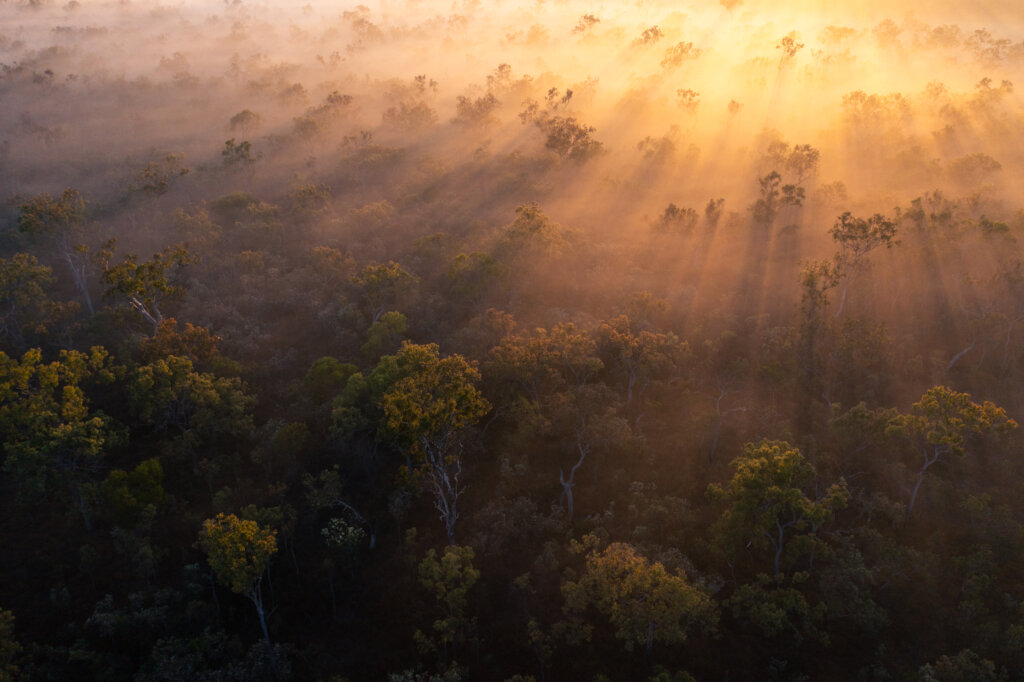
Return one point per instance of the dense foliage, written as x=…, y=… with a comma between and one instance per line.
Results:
x=375, y=394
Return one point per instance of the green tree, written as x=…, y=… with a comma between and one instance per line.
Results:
x=168, y=394
x=60, y=224
x=766, y=500
x=965, y=666
x=53, y=441
x=544, y=363
x=147, y=284
x=326, y=377
x=426, y=411
x=9, y=648
x=584, y=418
x=857, y=238
x=238, y=154
x=239, y=553
x=817, y=278
x=449, y=578
x=383, y=286
x=940, y=424
x=530, y=239
x=474, y=276
x=26, y=310
x=130, y=496
x=308, y=202
x=325, y=491
x=384, y=334
x=640, y=356
x=644, y=601
x=774, y=610
x=195, y=343
x=545, y=382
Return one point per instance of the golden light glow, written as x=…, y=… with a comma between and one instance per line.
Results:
x=687, y=99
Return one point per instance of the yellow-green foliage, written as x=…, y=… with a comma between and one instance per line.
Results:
x=237, y=550
x=643, y=600
x=436, y=397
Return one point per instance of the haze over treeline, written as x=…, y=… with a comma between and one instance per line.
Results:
x=493, y=341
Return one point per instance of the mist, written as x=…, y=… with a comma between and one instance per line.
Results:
x=620, y=252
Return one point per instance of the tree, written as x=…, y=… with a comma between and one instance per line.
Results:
x=530, y=237
x=383, y=286
x=549, y=374
x=765, y=209
x=155, y=178
x=239, y=156
x=586, y=22
x=53, y=441
x=195, y=343
x=25, y=308
x=772, y=609
x=9, y=648
x=569, y=139
x=324, y=491
x=585, y=418
x=816, y=279
x=308, y=202
x=326, y=377
x=413, y=115
x=775, y=195
x=940, y=424
x=131, y=497
x=644, y=601
x=475, y=113
x=449, y=579
x=239, y=553
x=649, y=36
x=169, y=394
x=640, y=356
x=965, y=666
x=857, y=238
x=679, y=53
x=60, y=223
x=474, y=276
x=767, y=502
x=426, y=411
x=384, y=334
x=789, y=44
x=147, y=284
x=245, y=121
x=803, y=162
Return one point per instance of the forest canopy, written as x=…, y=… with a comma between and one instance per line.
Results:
x=511, y=341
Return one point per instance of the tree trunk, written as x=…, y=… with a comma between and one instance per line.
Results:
x=714, y=440
x=842, y=299
x=962, y=353
x=928, y=461
x=650, y=638
x=79, y=277
x=444, y=472
x=256, y=597
x=778, y=551
x=80, y=501
x=567, y=485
